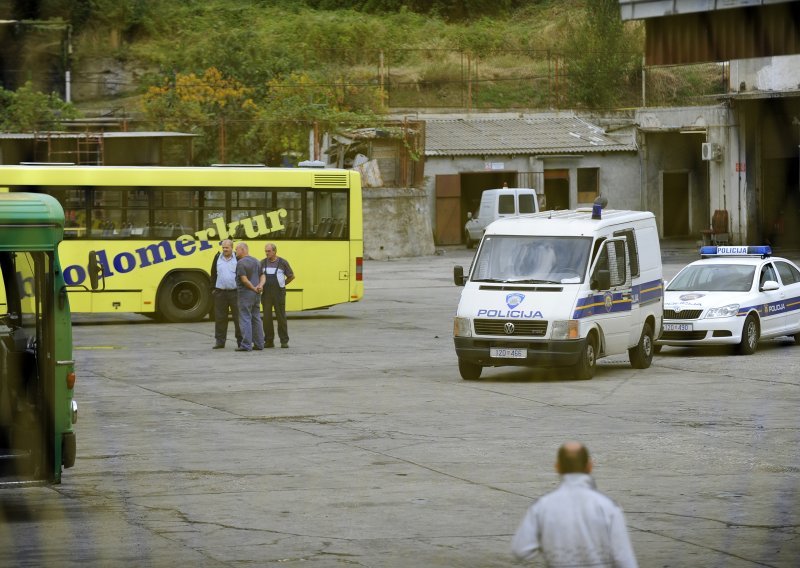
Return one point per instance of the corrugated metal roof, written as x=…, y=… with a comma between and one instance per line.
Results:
x=534, y=135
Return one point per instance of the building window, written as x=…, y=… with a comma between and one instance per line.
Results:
x=588, y=184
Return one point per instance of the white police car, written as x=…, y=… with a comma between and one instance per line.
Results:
x=733, y=295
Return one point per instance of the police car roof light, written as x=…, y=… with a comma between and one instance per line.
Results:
x=761, y=250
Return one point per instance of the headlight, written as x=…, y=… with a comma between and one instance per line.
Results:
x=565, y=329
x=724, y=312
x=462, y=327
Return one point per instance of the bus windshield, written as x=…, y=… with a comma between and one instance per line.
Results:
x=532, y=259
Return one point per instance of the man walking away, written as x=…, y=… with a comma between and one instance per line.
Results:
x=223, y=289
x=575, y=525
x=249, y=309
x=275, y=275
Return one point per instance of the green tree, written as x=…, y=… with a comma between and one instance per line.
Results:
x=29, y=110
x=297, y=105
x=602, y=55
x=215, y=107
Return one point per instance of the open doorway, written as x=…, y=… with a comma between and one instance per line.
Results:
x=556, y=189
x=675, y=204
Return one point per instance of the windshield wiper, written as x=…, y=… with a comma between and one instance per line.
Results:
x=533, y=281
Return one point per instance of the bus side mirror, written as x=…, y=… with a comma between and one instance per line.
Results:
x=94, y=270
x=458, y=275
x=602, y=280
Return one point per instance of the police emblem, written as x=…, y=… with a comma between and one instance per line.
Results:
x=609, y=301
x=514, y=300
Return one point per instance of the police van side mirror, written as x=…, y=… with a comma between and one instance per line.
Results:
x=601, y=280
x=458, y=275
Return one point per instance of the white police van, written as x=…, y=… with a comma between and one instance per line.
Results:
x=561, y=289
x=733, y=295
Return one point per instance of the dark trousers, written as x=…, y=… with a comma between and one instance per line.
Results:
x=274, y=298
x=225, y=300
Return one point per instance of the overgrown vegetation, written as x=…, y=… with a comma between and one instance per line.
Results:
x=253, y=77
x=28, y=110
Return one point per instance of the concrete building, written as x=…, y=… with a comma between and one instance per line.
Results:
x=567, y=159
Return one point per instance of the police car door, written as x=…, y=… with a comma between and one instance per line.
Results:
x=790, y=278
x=773, y=310
x=611, y=286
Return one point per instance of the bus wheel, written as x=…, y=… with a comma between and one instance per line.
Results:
x=469, y=371
x=68, y=449
x=184, y=297
x=587, y=363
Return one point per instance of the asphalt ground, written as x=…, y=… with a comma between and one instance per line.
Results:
x=361, y=446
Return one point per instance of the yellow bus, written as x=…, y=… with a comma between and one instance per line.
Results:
x=155, y=231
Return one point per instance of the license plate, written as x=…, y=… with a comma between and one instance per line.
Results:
x=507, y=353
x=677, y=327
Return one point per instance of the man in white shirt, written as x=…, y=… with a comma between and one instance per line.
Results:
x=223, y=288
x=575, y=525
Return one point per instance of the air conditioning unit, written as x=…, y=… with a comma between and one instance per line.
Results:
x=711, y=151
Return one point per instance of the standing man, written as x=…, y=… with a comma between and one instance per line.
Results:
x=223, y=289
x=575, y=525
x=275, y=275
x=249, y=310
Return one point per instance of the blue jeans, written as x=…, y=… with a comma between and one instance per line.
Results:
x=250, y=320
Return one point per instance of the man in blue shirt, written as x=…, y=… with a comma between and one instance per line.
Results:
x=223, y=289
x=247, y=275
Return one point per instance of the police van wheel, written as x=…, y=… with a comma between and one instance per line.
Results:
x=584, y=369
x=642, y=355
x=184, y=297
x=469, y=371
x=750, y=334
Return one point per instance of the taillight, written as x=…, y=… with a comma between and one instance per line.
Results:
x=359, y=269
x=71, y=380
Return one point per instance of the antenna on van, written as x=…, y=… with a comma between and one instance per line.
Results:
x=598, y=206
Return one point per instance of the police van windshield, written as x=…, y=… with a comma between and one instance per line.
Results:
x=714, y=278
x=532, y=260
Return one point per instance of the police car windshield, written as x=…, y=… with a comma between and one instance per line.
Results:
x=714, y=278
x=532, y=260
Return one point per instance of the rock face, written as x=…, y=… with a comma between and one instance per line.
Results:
x=102, y=78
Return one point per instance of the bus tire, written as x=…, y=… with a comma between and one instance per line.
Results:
x=184, y=297
x=69, y=449
x=587, y=363
x=469, y=371
x=642, y=354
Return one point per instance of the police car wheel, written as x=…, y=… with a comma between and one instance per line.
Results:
x=750, y=334
x=469, y=371
x=587, y=363
x=642, y=355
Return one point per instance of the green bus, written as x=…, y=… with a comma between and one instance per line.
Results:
x=37, y=371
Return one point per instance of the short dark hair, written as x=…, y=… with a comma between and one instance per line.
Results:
x=573, y=458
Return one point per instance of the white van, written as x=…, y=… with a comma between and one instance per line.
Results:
x=561, y=289
x=496, y=204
